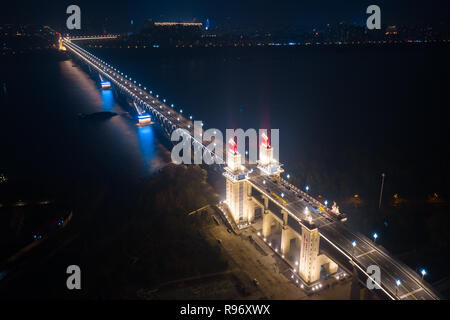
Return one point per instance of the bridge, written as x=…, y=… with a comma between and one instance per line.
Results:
x=310, y=236
x=97, y=37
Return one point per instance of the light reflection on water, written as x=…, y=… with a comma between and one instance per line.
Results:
x=108, y=100
x=147, y=144
x=127, y=146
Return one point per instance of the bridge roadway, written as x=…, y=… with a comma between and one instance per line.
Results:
x=99, y=37
x=336, y=233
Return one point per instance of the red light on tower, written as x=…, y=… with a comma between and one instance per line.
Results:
x=233, y=145
x=265, y=141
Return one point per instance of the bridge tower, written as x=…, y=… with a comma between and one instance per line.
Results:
x=267, y=163
x=309, y=266
x=237, y=188
x=61, y=46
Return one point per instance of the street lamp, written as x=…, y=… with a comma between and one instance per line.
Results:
x=397, y=283
x=307, y=188
x=423, y=272
x=353, y=245
x=375, y=236
x=326, y=202
x=381, y=191
x=288, y=176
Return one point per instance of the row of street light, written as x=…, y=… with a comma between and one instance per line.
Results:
x=130, y=79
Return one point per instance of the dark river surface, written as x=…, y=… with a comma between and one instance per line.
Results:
x=353, y=112
x=345, y=115
x=42, y=136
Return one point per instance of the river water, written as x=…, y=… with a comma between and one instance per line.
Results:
x=42, y=137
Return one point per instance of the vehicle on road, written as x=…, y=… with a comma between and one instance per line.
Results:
x=279, y=198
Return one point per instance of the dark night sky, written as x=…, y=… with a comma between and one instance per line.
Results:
x=250, y=13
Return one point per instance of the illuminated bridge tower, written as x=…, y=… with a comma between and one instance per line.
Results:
x=237, y=187
x=309, y=267
x=61, y=46
x=267, y=163
x=269, y=166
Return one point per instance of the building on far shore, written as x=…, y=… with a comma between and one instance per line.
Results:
x=172, y=32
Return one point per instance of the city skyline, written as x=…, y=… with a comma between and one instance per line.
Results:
x=250, y=15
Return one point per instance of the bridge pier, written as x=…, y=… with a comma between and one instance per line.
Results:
x=238, y=190
x=285, y=240
x=267, y=223
x=285, y=234
x=250, y=207
x=309, y=269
